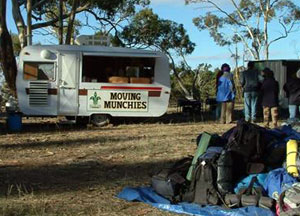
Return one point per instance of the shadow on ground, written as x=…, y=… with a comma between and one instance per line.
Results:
x=41, y=126
x=75, y=176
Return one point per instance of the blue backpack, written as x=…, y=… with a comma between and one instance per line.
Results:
x=277, y=181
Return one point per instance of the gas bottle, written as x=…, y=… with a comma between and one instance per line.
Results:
x=291, y=158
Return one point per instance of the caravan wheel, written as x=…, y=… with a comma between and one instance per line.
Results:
x=100, y=120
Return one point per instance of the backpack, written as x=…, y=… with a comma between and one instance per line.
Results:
x=224, y=172
x=277, y=181
x=247, y=140
x=170, y=182
x=203, y=189
x=204, y=140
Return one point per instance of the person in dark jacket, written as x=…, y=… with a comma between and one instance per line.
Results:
x=250, y=82
x=270, y=92
x=292, y=89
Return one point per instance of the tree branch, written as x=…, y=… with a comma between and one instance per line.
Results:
x=51, y=22
x=19, y=21
x=39, y=3
x=243, y=19
x=224, y=12
x=113, y=25
x=286, y=32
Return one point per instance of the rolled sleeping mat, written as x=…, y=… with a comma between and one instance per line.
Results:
x=291, y=158
x=266, y=202
x=233, y=200
x=249, y=200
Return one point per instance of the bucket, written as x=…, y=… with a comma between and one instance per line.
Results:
x=14, y=121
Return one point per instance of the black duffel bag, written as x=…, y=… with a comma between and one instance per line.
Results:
x=170, y=182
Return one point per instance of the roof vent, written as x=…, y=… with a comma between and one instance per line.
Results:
x=47, y=54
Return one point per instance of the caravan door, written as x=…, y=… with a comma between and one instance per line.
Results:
x=68, y=84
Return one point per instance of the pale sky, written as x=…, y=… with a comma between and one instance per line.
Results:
x=206, y=50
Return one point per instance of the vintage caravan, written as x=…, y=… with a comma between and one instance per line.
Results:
x=92, y=81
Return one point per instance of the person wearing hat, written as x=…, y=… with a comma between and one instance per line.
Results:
x=292, y=89
x=226, y=94
x=269, y=92
x=250, y=83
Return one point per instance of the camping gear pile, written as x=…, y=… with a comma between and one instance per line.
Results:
x=246, y=166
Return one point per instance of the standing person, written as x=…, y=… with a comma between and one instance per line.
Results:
x=250, y=83
x=292, y=89
x=270, y=92
x=226, y=94
x=218, y=108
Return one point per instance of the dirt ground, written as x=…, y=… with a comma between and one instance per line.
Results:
x=58, y=169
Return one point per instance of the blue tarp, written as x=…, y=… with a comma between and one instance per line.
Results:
x=147, y=195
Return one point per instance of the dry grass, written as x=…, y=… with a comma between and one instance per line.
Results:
x=50, y=169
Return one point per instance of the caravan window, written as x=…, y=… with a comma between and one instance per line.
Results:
x=38, y=71
x=118, y=69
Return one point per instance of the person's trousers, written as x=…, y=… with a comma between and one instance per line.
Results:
x=250, y=105
x=218, y=110
x=226, y=112
x=293, y=112
x=274, y=113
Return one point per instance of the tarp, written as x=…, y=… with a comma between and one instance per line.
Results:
x=147, y=195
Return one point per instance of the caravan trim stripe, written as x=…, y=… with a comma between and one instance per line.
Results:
x=131, y=88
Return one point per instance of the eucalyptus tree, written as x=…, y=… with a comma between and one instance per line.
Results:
x=44, y=13
x=7, y=58
x=147, y=30
x=248, y=22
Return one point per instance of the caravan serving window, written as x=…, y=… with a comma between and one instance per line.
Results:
x=118, y=69
x=39, y=71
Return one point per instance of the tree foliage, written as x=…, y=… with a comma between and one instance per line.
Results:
x=44, y=13
x=248, y=22
x=147, y=30
x=200, y=81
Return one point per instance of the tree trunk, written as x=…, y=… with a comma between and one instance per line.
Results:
x=186, y=93
x=7, y=58
x=71, y=22
x=266, y=34
x=29, y=27
x=19, y=21
x=61, y=23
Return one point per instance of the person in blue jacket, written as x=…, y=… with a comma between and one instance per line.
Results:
x=226, y=94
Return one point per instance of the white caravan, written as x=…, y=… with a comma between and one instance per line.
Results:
x=92, y=81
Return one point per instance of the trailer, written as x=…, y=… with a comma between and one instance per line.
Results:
x=92, y=82
x=283, y=71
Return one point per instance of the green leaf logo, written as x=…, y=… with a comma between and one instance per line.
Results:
x=95, y=98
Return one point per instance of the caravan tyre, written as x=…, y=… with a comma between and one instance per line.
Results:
x=100, y=120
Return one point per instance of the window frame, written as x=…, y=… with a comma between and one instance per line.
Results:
x=41, y=62
x=124, y=68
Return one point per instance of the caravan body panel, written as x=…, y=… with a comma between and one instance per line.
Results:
x=87, y=80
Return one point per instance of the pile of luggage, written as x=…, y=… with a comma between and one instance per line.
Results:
x=246, y=166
